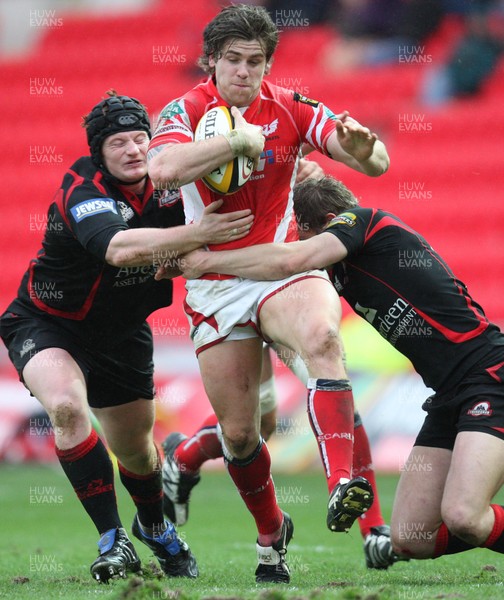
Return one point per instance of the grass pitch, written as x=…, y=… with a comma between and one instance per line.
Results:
x=47, y=544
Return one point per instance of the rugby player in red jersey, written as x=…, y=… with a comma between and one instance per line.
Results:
x=229, y=316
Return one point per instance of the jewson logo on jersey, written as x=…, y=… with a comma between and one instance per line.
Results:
x=88, y=208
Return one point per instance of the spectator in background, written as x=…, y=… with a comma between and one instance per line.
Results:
x=372, y=31
x=472, y=61
x=314, y=11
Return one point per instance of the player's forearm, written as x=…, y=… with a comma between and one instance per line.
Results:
x=263, y=262
x=151, y=246
x=373, y=166
x=358, y=148
x=178, y=164
x=378, y=163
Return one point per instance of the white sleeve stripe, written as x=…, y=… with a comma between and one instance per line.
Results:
x=283, y=227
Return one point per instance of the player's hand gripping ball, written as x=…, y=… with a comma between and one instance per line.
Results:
x=228, y=178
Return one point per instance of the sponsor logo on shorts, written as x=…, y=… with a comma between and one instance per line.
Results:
x=481, y=409
x=88, y=208
x=368, y=313
x=28, y=345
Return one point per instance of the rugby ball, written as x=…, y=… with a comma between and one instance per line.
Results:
x=230, y=177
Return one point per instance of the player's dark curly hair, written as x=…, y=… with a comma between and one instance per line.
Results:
x=315, y=198
x=238, y=21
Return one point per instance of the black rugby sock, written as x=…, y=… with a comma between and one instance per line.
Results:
x=447, y=543
x=90, y=471
x=146, y=491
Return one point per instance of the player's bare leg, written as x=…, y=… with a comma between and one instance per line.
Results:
x=458, y=514
x=416, y=515
x=57, y=381
x=231, y=374
x=128, y=429
x=267, y=396
x=475, y=476
x=184, y=456
x=305, y=317
x=136, y=451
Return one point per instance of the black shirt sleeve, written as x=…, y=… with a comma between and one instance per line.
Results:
x=350, y=228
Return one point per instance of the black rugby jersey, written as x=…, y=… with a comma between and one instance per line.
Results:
x=69, y=279
x=395, y=280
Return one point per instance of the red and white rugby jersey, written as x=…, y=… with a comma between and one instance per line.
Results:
x=288, y=120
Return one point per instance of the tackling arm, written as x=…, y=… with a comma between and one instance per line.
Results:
x=267, y=261
x=148, y=246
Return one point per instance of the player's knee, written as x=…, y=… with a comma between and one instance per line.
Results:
x=240, y=440
x=140, y=459
x=323, y=341
x=464, y=522
x=67, y=414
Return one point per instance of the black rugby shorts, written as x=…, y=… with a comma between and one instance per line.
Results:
x=114, y=376
x=477, y=404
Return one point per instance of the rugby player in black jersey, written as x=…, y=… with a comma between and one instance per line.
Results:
x=77, y=331
x=368, y=254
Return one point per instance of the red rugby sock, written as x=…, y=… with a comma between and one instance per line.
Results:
x=447, y=543
x=253, y=479
x=331, y=413
x=363, y=467
x=495, y=540
x=202, y=446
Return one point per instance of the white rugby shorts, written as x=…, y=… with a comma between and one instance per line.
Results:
x=228, y=309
